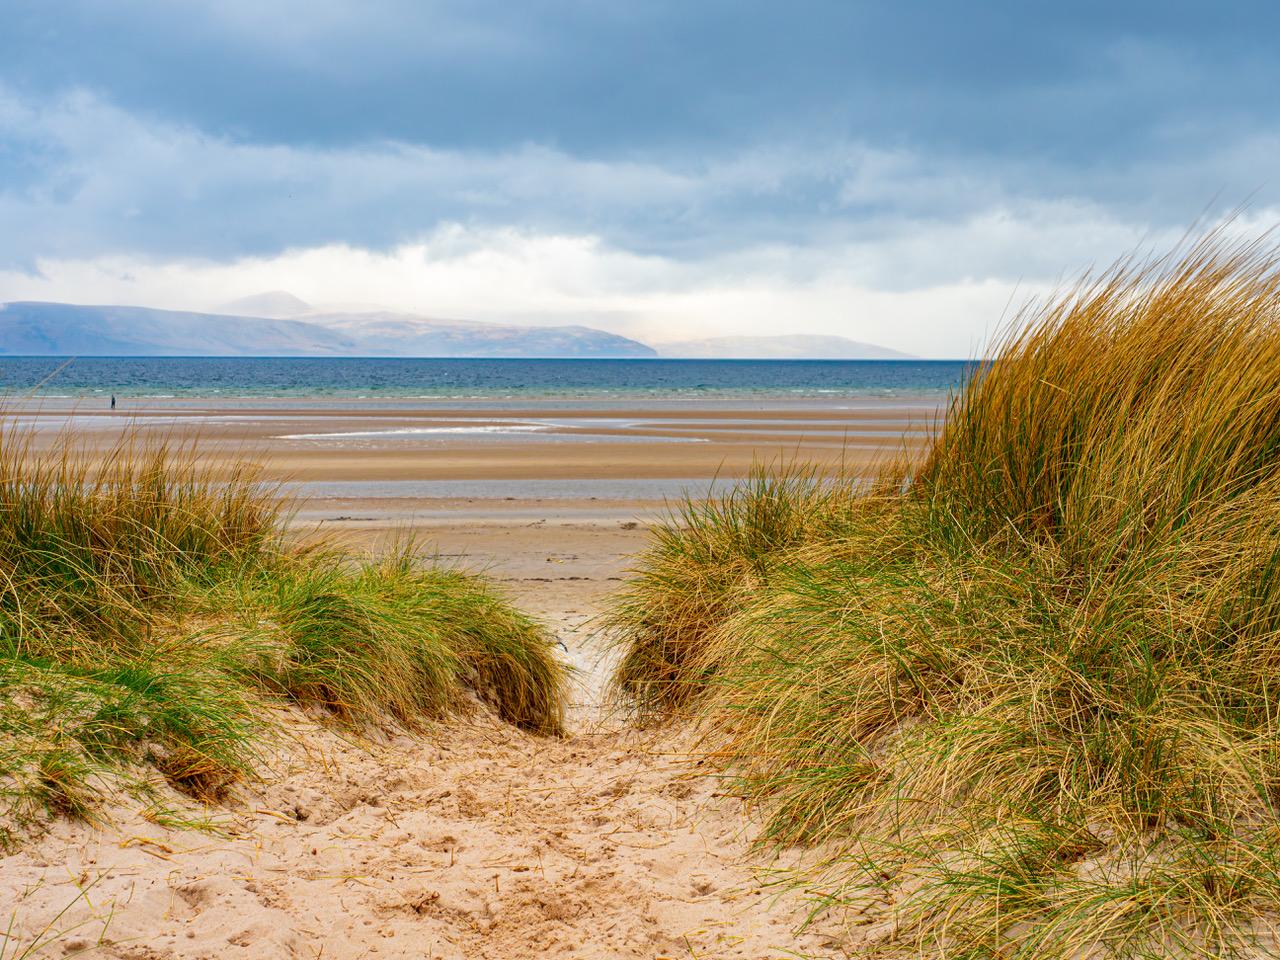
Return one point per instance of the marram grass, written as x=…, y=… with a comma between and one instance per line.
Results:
x=151, y=614
x=1024, y=696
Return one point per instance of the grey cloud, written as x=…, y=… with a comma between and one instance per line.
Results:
x=86, y=178
x=1060, y=81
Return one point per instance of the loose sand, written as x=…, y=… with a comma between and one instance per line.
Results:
x=477, y=841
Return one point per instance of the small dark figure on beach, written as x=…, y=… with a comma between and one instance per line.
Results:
x=113, y=401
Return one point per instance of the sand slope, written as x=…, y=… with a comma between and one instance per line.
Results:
x=482, y=844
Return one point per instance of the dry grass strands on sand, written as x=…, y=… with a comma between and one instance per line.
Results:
x=150, y=612
x=1024, y=696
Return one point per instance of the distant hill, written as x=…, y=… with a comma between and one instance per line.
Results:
x=63, y=329
x=786, y=347
x=403, y=334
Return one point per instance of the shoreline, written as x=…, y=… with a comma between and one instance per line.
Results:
x=338, y=442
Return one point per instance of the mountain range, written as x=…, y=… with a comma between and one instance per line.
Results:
x=63, y=329
x=279, y=324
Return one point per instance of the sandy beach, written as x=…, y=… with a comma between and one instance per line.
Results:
x=432, y=442
x=475, y=841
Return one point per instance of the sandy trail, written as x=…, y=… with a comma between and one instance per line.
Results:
x=475, y=842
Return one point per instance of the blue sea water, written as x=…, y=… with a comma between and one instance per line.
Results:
x=468, y=379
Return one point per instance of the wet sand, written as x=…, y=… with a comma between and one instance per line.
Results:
x=333, y=443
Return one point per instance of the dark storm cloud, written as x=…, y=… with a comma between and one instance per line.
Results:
x=597, y=78
x=676, y=127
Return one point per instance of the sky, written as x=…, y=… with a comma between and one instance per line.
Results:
x=903, y=173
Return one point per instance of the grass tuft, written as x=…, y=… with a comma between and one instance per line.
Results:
x=151, y=613
x=706, y=560
x=1024, y=690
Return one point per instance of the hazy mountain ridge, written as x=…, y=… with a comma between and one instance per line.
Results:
x=784, y=347
x=401, y=333
x=60, y=329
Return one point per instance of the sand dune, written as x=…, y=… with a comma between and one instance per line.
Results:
x=476, y=842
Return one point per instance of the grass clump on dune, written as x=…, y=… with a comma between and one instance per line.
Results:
x=150, y=614
x=394, y=638
x=708, y=560
x=1025, y=694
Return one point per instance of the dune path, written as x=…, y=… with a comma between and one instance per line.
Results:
x=477, y=841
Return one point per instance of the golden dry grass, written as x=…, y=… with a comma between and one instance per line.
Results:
x=1024, y=692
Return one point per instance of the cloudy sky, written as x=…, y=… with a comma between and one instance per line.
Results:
x=902, y=173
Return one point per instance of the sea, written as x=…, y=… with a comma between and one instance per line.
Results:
x=458, y=379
